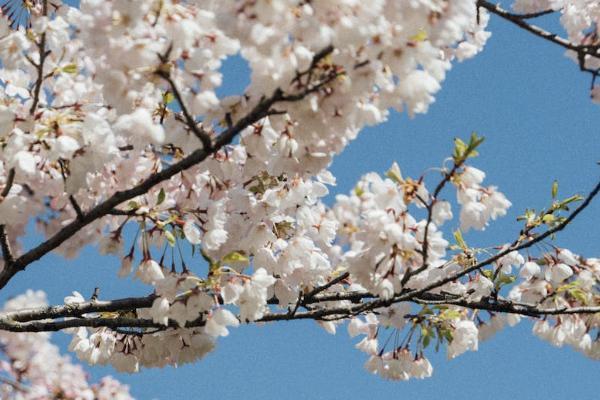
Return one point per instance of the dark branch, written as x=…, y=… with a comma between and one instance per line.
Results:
x=507, y=307
x=76, y=207
x=10, y=179
x=190, y=122
x=4, y=242
x=40, y=65
x=261, y=110
x=14, y=384
x=40, y=320
x=430, y=205
x=520, y=20
x=310, y=295
x=490, y=260
x=79, y=309
x=5, y=245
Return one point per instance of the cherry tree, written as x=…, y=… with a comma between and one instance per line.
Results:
x=110, y=123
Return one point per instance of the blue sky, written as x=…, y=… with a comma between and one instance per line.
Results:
x=532, y=105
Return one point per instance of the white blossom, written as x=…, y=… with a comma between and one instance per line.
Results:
x=464, y=337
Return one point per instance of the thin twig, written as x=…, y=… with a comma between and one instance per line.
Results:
x=440, y=186
x=408, y=295
x=14, y=384
x=6, y=250
x=582, y=50
x=76, y=207
x=10, y=180
x=4, y=242
x=417, y=292
x=40, y=65
x=200, y=133
x=310, y=295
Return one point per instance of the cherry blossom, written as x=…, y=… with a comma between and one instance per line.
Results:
x=111, y=123
x=33, y=368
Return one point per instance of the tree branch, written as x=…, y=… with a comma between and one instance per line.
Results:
x=76, y=207
x=29, y=319
x=520, y=20
x=430, y=205
x=4, y=242
x=261, y=110
x=78, y=309
x=40, y=319
x=510, y=249
x=5, y=245
x=40, y=65
x=10, y=180
x=536, y=30
x=409, y=295
x=310, y=295
x=495, y=8
x=508, y=307
x=190, y=122
x=14, y=384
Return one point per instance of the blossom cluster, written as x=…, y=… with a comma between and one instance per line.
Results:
x=563, y=279
x=33, y=368
x=98, y=99
x=101, y=116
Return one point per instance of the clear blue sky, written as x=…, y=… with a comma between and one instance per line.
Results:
x=532, y=105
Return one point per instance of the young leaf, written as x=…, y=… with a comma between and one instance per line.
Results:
x=161, y=197
x=458, y=237
x=236, y=258
x=170, y=238
x=69, y=69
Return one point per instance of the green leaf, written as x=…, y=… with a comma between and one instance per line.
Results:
x=427, y=333
x=450, y=314
x=458, y=237
x=475, y=140
x=69, y=69
x=579, y=295
x=133, y=205
x=236, y=258
x=459, y=150
x=504, y=279
x=571, y=199
x=448, y=335
x=420, y=36
x=358, y=191
x=426, y=341
x=426, y=310
x=554, y=189
x=462, y=150
x=488, y=273
x=170, y=237
x=168, y=97
x=548, y=219
x=394, y=173
x=567, y=287
x=161, y=197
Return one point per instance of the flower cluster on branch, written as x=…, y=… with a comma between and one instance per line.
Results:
x=110, y=122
